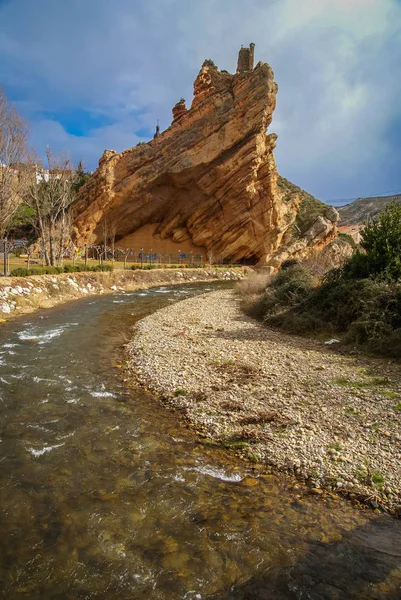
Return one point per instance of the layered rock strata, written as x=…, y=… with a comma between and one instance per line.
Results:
x=208, y=181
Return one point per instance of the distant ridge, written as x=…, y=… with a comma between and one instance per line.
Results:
x=362, y=209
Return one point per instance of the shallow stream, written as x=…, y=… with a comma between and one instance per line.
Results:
x=104, y=494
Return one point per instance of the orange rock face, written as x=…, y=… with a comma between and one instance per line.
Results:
x=209, y=180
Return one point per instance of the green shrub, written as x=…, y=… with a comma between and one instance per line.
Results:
x=21, y=272
x=101, y=268
x=348, y=238
x=25, y=272
x=363, y=312
x=71, y=268
x=381, y=241
x=288, y=288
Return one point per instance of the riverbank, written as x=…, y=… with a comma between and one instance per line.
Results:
x=283, y=402
x=23, y=295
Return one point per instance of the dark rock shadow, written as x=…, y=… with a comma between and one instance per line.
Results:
x=358, y=567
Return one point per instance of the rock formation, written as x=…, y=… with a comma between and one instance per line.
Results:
x=209, y=182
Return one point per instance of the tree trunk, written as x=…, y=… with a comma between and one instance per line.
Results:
x=42, y=229
x=61, y=245
x=51, y=242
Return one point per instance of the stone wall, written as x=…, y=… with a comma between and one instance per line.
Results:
x=23, y=295
x=246, y=57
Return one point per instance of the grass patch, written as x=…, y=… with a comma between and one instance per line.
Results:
x=377, y=478
x=352, y=412
x=253, y=458
x=180, y=392
x=367, y=476
x=235, y=442
x=390, y=394
x=398, y=406
x=361, y=384
x=209, y=442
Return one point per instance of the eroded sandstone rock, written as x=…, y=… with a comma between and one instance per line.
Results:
x=209, y=181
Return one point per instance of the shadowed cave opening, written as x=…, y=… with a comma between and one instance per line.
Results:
x=173, y=216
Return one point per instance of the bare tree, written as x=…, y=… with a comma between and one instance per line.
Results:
x=29, y=251
x=210, y=255
x=112, y=239
x=125, y=252
x=50, y=196
x=13, y=150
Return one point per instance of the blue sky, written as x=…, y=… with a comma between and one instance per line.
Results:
x=95, y=74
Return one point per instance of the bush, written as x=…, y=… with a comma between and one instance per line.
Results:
x=288, y=288
x=357, y=267
x=71, y=268
x=25, y=272
x=381, y=240
x=291, y=262
x=349, y=239
x=100, y=268
x=364, y=312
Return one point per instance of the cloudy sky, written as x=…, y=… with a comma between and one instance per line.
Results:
x=96, y=74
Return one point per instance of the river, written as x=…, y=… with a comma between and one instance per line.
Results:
x=104, y=494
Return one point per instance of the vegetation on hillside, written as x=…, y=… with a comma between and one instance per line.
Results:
x=365, y=209
x=309, y=209
x=359, y=302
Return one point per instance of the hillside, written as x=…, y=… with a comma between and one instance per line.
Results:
x=359, y=211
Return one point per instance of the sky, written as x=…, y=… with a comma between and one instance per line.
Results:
x=95, y=74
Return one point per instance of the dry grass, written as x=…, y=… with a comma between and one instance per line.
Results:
x=252, y=434
x=238, y=371
x=232, y=406
x=254, y=285
x=260, y=418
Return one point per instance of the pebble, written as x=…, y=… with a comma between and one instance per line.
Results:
x=291, y=400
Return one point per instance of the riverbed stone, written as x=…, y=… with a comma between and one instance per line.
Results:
x=208, y=348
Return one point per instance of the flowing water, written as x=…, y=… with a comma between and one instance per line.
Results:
x=105, y=495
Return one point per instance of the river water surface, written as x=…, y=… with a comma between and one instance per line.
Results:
x=105, y=495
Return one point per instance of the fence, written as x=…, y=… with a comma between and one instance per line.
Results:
x=102, y=254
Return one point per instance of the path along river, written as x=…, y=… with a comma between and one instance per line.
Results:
x=105, y=495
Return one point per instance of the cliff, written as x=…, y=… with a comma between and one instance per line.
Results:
x=207, y=183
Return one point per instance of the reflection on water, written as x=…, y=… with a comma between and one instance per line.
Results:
x=104, y=495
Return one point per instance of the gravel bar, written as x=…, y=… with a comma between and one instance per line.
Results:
x=285, y=403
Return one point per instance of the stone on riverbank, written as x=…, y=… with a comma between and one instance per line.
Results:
x=285, y=402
